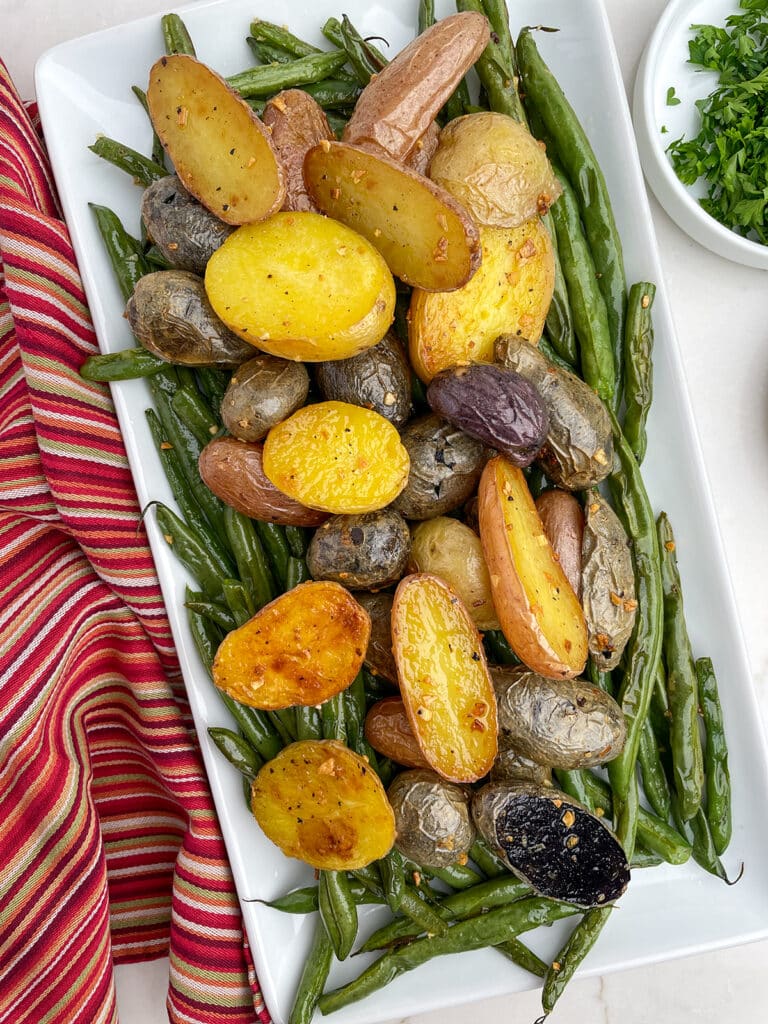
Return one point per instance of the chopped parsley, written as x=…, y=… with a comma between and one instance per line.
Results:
x=672, y=100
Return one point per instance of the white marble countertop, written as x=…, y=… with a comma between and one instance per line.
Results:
x=718, y=307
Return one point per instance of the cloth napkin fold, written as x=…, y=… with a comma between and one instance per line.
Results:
x=110, y=849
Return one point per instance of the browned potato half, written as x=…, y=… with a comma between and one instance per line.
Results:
x=444, y=678
x=399, y=104
x=427, y=239
x=539, y=613
x=320, y=802
x=432, y=820
x=510, y=293
x=563, y=522
x=389, y=732
x=234, y=471
x=379, y=657
x=447, y=548
x=297, y=123
x=496, y=168
x=217, y=145
x=302, y=648
x=302, y=286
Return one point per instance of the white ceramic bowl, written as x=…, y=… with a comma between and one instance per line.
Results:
x=665, y=64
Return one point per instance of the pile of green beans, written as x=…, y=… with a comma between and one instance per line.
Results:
x=675, y=745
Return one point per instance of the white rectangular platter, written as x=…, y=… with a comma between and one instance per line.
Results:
x=84, y=88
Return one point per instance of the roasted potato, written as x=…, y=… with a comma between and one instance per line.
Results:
x=496, y=168
x=234, y=471
x=379, y=658
x=510, y=766
x=578, y=451
x=563, y=521
x=262, y=393
x=510, y=293
x=607, y=582
x=444, y=679
x=218, y=146
x=362, y=552
x=556, y=722
x=337, y=457
x=302, y=648
x=389, y=732
x=447, y=548
x=552, y=842
x=171, y=316
x=296, y=123
x=539, y=613
x=445, y=465
x=320, y=802
x=432, y=820
x=378, y=379
x=302, y=286
x=184, y=231
x=419, y=157
x=495, y=405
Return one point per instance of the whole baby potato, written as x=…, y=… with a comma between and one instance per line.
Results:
x=261, y=393
x=360, y=551
x=446, y=464
x=432, y=819
x=171, y=316
x=510, y=766
x=563, y=522
x=378, y=379
x=184, y=231
x=389, y=732
x=379, y=657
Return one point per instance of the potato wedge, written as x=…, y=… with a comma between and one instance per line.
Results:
x=320, y=802
x=302, y=648
x=296, y=123
x=218, y=146
x=337, y=457
x=302, y=286
x=444, y=680
x=509, y=294
x=426, y=237
x=539, y=613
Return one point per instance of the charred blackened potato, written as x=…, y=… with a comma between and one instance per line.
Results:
x=379, y=657
x=361, y=551
x=552, y=842
x=445, y=466
x=497, y=406
x=432, y=819
x=182, y=229
x=171, y=316
x=563, y=521
x=607, y=582
x=578, y=452
x=378, y=379
x=558, y=723
x=262, y=392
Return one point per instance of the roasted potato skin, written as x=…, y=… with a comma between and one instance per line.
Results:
x=379, y=658
x=389, y=732
x=563, y=521
x=234, y=471
x=578, y=451
x=557, y=723
x=552, y=842
x=495, y=405
x=362, y=552
x=512, y=767
x=432, y=818
x=607, y=582
x=378, y=378
x=296, y=123
x=171, y=316
x=184, y=231
x=262, y=393
x=445, y=466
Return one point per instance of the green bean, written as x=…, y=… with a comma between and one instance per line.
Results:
x=124, y=252
x=238, y=600
x=249, y=555
x=426, y=918
x=716, y=773
x=175, y=35
x=237, y=751
x=305, y=900
x=354, y=714
x=495, y=69
x=314, y=975
x=271, y=78
x=143, y=170
x=338, y=911
x=255, y=727
x=642, y=858
x=520, y=954
x=682, y=685
x=638, y=366
x=458, y=876
x=284, y=722
x=332, y=30
x=214, y=384
x=491, y=865
x=297, y=540
x=334, y=94
x=497, y=646
x=336, y=122
x=488, y=930
x=581, y=166
x=598, y=677
x=581, y=940
x=278, y=35
x=574, y=782
x=655, y=785
x=195, y=413
x=212, y=610
x=358, y=52
x=155, y=259
x=546, y=349
x=559, y=321
x=192, y=551
x=309, y=723
x=333, y=715
x=267, y=53
x=205, y=636
x=426, y=15
x=158, y=153
x=127, y=364
x=274, y=542
x=296, y=573
x=393, y=879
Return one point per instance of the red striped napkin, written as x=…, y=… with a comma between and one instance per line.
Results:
x=110, y=850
